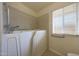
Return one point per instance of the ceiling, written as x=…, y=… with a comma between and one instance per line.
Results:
x=37, y=6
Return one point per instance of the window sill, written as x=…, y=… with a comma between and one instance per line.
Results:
x=63, y=35
x=58, y=35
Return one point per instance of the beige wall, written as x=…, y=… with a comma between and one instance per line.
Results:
x=69, y=44
x=24, y=20
x=43, y=23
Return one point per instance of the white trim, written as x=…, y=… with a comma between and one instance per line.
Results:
x=19, y=6
x=56, y=52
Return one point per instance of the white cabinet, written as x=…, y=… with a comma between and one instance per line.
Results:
x=13, y=45
x=10, y=45
x=26, y=43
x=39, y=43
x=17, y=44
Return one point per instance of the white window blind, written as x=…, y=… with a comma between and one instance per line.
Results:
x=65, y=20
x=70, y=19
x=78, y=18
x=58, y=21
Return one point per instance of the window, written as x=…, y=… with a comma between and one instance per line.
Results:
x=70, y=19
x=65, y=20
x=78, y=19
x=58, y=21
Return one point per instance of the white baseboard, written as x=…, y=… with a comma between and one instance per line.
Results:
x=56, y=52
